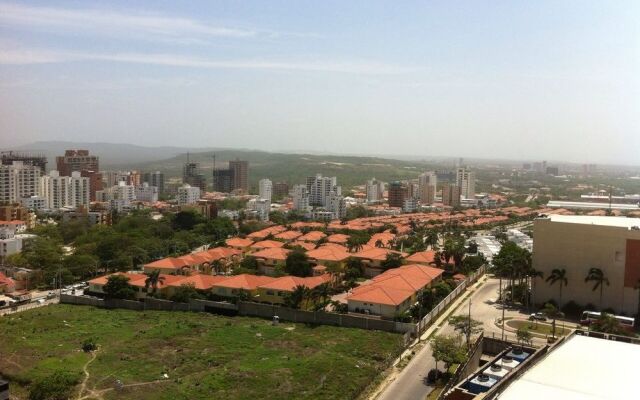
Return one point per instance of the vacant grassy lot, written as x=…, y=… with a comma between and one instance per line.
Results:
x=205, y=356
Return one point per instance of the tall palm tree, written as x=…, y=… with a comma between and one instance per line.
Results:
x=153, y=279
x=552, y=312
x=534, y=274
x=597, y=276
x=558, y=275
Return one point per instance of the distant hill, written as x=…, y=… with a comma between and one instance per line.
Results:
x=279, y=167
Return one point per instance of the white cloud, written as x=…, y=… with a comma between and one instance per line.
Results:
x=107, y=22
x=34, y=56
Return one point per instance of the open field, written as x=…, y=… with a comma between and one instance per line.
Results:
x=205, y=356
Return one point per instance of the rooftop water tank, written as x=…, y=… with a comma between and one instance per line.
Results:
x=518, y=354
x=496, y=371
x=480, y=383
x=507, y=363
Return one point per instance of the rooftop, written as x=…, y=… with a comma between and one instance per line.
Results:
x=582, y=368
x=620, y=222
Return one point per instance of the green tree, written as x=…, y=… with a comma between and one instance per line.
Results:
x=185, y=292
x=354, y=268
x=57, y=386
x=608, y=324
x=447, y=349
x=117, y=287
x=596, y=275
x=296, y=298
x=523, y=336
x=393, y=260
x=249, y=262
x=558, y=275
x=552, y=312
x=466, y=326
x=297, y=264
x=186, y=220
x=153, y=280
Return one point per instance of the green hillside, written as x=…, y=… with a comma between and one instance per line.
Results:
x=293, y=168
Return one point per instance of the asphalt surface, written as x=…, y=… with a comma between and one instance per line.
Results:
x=410, y=383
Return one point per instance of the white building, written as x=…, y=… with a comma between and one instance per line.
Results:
x=466, y=181
x=337, y=205
x=410, y=205
x=265, y=189
x=65, y=191
x=261, y=207
x=427, y=187
x=320, y=188
x=35, y=203
x=18, y=181
x=300, y=198
x=188, y=194
x=146, y=193
x=375, y=191
x=11, y=242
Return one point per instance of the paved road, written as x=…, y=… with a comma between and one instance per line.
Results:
x=410, y=384
x=28, y=306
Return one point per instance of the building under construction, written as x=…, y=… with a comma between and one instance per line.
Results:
x=36, y=160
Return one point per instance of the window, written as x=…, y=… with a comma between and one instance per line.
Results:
x=618, y=256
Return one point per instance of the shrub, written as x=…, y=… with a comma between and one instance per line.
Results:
x=572, y=309
x=89, y=345
x=57, y=386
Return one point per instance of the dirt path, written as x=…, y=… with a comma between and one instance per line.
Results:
x=85, y=369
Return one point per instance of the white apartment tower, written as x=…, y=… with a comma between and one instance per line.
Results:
x=300, y=198
x=79, y=190
x=146, y=193
x=65, y=191
x=337, y=205
x=265, y=189
x=18, y=181
x=427, y=184
x=375, y=191
x=188, y=194
x=320, y=188
x=466, y=181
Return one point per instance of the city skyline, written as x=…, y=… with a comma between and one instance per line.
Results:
x=554, y=81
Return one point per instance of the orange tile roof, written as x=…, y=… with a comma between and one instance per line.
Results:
x=289, y=283
x=305, y=245
x=272, y=230
x=380, y=295
x=267, y=244
x=238, y=242
x=377, y=253
x=199, y=281
x=102, y=280
x=244, y=281
x=167, y=263
x=335, y=246
x=222, y=252
x=288, y=235
x=338, y=238
x=385, y=237
x=328, y=253
x=273, y=253
x=313, y=236
x=426, y=257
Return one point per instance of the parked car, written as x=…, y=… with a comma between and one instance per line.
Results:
x=537, y=317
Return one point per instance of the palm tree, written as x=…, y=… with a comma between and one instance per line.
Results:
x=534, y=275
x=431, y=239
x=295, y=298
x=552, y=312
x=379, y=243
x=596, y=275
x=558, y=275
x=153, y=279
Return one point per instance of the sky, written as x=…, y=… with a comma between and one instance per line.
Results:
x=556, y=80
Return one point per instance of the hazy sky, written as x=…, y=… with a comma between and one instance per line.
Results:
x=512, y=79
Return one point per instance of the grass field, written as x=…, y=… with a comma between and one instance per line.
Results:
x=205, y=356
x=539, y=328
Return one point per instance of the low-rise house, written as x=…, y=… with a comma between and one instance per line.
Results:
x=393, y=292
x=239, y=243
x=7, y=285
x=240, y=285
x=325, y=254
x=313, y=236
x=338, y=238
x=268, y=259
x=305, y=245
x=266, y=244
x=262, y=234
x=288, y=236
x=276, y=291
x=386, y=238
x=373, y=257
x=206, y=262
x=427, y=257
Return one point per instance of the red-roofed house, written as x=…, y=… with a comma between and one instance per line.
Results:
x=239, y=243
x=266, y=244
x=423, y=257
x=313, y=236
x=234, y=285
x=325, y=254
x=338, y=238
x=305, y=245
x=373, y=257
x=275, y=291
x=269, y=259
x=288, y=236
x=202, y=261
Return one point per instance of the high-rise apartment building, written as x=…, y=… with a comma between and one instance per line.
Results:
x=192, y=177
x=18, y=181
x=76, y=160
x=36, y=160
x=187, y=195
x=397, y=194
x=240, y=173
x=375, y=191
x=280, y=189
x=337, y=205
x=147, y=193
x=427, y=187
x=301, y=198
x=265, y=189
x=466, y=181
x=156, y=179
x=65, y=191
x=320, y=188
x=79, y=190
x=450, y=195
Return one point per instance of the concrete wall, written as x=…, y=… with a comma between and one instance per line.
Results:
x=577, y=248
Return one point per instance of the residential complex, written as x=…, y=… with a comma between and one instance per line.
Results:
x=18, y=181
x=86, y=164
